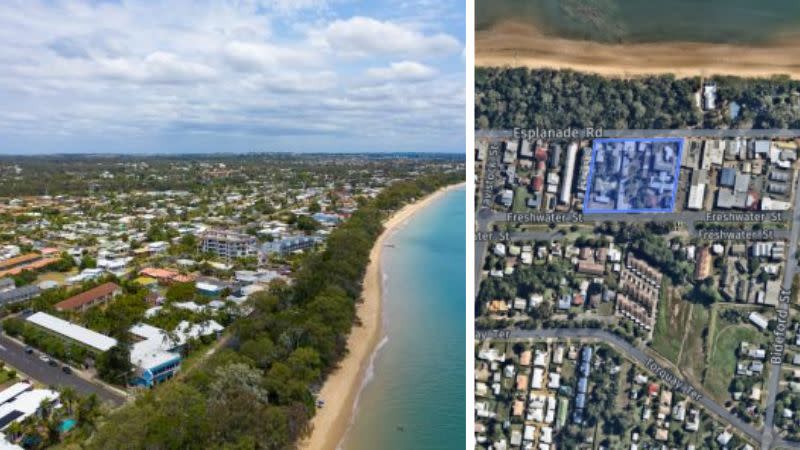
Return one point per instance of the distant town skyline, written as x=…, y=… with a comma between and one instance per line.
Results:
x=236, y=76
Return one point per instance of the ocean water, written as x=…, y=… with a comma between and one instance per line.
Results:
x=719, y=21
x=414, y=395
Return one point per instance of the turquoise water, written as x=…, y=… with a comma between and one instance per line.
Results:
x=67, y=425
x=726, y=21
x=415, y=396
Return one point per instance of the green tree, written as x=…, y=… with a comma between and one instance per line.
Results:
x=181, y=292
x=114, y=365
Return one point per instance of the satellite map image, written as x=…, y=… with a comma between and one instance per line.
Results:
x=633, y=175
x=637, y=221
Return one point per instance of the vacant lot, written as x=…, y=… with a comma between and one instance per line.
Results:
x=670, y=330
x=58, y=277
x=692, y=361
x=724, y=342
x=520, y=197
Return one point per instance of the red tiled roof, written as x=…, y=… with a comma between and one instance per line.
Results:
x=87, y=297
x=21, y=259
x=158, y=273
x=30, y=266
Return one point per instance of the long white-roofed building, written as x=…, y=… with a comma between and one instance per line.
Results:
x=88, y=338
x=155, y=353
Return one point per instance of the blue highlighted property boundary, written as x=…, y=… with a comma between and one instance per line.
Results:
x=589, y=182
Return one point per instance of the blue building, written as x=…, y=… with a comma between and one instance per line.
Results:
x=150, y=376
x=727, y=177
x=154, y=356
x=291, y=244
x=326, y=219
x=583, y=385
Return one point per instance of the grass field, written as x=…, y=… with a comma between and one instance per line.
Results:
x=520, y=197
x=58, y=277
x=673, y=315
x=693, y=357
x=721, y=365
x=605, y=309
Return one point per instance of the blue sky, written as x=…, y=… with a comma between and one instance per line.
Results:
x=133, y=76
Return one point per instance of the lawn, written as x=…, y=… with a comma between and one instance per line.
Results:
x=673, y=315
x=721, y=365
x=520, y=197
x=58, y=277
x=5, y=376
x=605, y=309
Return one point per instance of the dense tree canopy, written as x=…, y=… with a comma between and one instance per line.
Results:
x=508, y=98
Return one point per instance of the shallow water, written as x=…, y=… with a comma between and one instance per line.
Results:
x=415, y=393
x=718, y=21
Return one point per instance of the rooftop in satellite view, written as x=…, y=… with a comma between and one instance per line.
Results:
x=636, y=254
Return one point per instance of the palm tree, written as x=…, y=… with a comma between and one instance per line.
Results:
x=14, y=431
x=88, y=410
x=45, y=407
x=69, y=398
x=29, y=427
x=52, y=430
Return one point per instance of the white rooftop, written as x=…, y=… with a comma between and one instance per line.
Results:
x=27, y=403
x=191, y=306
x=185, y=331
x=75, y=332
x=13, y=391
x=208, y=287
x=5, y=445
x=158, y=347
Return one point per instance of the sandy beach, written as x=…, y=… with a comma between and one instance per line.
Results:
x=341, y=388
x=511, y=44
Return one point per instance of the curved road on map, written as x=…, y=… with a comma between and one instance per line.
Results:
x=643, y=358
x=485, y=218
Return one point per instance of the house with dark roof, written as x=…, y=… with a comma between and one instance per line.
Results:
x=727, y=177
x=6, y=284
x=19, y=295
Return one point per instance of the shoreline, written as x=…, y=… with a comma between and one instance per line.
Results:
x=342, y=387
x=514, y=44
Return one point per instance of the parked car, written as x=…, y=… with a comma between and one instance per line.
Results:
x=44, y=357
x=66, y=369
x=29, y=350
x=52, y=362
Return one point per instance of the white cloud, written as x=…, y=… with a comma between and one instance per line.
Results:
x=250, y=56
x=402, y=71
x=363, y=36
x=294, y=6
x=85, y=72
x=157, y=67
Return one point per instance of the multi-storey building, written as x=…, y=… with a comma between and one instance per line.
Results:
x=229, y=244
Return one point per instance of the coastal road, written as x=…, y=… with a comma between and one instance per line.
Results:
x=14, y=355
x=690, y=133
x=783, y=308
x=643, y=358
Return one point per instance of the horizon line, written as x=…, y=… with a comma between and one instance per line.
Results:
x=235, y=153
